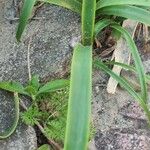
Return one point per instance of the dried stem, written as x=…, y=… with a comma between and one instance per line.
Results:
x=28, y=59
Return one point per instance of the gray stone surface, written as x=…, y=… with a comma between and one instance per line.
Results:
x=23, y=139
x=50, y=49
x=119, y=121
x=52, y=34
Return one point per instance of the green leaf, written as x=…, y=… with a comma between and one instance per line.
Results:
x=88, y=21
x=44, y=147
x=122, y=82
x=53, y=86
x=79, y=107
x=31, y=90
x=100, y=25
x=13, y=87
x=35, y=82
x=105, y=3
x=125, y=85
x=128, y=67
x=25, y=15
x=11, y=130
x=131, y=12
x=137, y=60
x=125, y=66
x=70, y=4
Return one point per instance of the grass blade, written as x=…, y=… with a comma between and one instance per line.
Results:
x=125, y=85
x=122, y=82
x=100, y=25
x=137, y=60
x=131, y=12
x=78, y=118
x=88, y=21
x=105, y=3
x=125, y=66
x=128, y=67
x=25, y=14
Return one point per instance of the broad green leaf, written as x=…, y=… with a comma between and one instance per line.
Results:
x=125, y=85
x=88, y=21
x=53, y=86
x=44, y=147
x=105, y=3
x=13, y=87
x=25, y=15
x=11, y=129
x=137, y=60
x=79, y=107
x=70, y=4
x=131, y=12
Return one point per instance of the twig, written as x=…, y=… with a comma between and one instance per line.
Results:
x=139, y=31
x=28, y=58
x=146, y=33
x=50, y=141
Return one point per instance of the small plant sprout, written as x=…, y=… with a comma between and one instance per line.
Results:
x=33, y=90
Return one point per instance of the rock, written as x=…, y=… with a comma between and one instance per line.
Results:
x=117, y=117
x=50, y=48
x=23, y=139
x=50, y=52
x=146, y=65
x=125, y=139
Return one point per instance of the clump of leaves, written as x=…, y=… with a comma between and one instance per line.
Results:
x=51, y=111
x=34, y=89
x=31, y=116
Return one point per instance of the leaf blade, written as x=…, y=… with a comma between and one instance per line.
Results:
x=125, y=85
x=131, y=12
x=13, y=127
x=101, y=25
x=105, y=3
x=13, y=87
x=53, y=86
x=79, y=107
x=88, y=21
x=137, y=60
x=25, y=14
